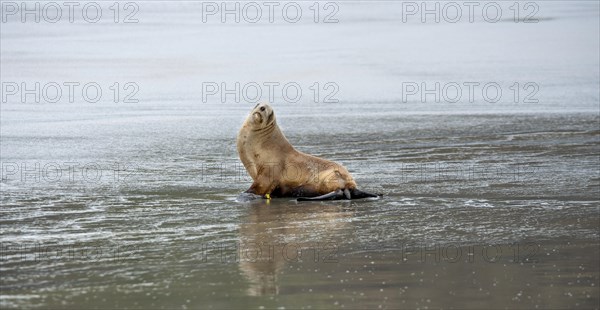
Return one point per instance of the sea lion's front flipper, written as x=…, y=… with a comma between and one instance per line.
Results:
x=357, y=194
x=246, y=197
x=331, y=196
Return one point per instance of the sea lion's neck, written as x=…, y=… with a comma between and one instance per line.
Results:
x=267, y=130
x=273, y=133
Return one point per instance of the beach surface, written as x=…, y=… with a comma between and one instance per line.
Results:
x=130, y=202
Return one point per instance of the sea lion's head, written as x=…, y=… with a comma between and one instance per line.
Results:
x=262, y=116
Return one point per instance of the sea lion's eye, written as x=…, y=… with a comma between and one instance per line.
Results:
x=262, y=108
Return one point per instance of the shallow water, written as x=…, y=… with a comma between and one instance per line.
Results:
x=522, y=210
x=114, y=205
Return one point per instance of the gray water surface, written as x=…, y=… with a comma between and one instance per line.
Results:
x=133, y=205
x=504, y=215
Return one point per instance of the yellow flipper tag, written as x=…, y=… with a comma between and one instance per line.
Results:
x=268, y=196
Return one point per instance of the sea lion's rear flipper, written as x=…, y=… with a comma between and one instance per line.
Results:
x=347, y=194
x=357, y=194
x=335, y=195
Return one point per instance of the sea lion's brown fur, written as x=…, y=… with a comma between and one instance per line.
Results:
x=277, y=168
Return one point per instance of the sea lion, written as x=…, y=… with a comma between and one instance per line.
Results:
x=279, y=170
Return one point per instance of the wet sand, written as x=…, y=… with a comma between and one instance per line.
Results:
x=489, y=233
x=133, y=205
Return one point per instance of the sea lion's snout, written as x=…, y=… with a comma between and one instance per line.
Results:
x=257, y=117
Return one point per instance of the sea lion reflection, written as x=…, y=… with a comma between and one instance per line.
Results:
x=280, y=232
